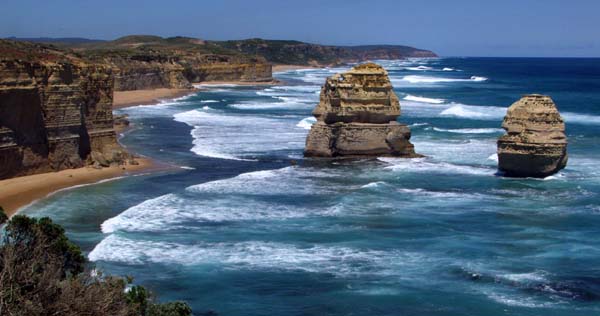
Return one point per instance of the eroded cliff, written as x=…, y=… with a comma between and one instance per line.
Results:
x=55, y=111
x=148, y=62
x=356, y=116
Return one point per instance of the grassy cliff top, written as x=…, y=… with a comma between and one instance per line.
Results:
x=300, y=53
x=139, y=47
x=34, y=52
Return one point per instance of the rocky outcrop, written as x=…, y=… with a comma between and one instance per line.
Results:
x=55, y=111
x=535, y=144
x=180, y=71
x=356, y=116
x=149, y=62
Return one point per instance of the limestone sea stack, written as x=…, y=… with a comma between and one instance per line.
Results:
x=356, y=116
x=535, y=144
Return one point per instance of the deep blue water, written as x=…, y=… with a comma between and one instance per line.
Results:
x=242, y=230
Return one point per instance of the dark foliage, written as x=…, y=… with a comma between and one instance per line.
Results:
x=43, y=273
x=3, y=217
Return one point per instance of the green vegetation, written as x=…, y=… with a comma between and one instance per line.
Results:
x=299, y=53
x=43, y=273
x=286, y=52
x=136, y=47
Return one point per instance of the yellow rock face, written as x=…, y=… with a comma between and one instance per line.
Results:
x=356, y=116
x=535, y=144
x=362, y=95
x=55, y=112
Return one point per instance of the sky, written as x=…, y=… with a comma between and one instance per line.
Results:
x=524, y=28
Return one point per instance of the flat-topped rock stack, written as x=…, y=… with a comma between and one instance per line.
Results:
x=356, y=116
x=535, y=144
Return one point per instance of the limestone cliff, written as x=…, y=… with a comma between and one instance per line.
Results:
x=535, y=144
x=148, y=62
x=356, y=116
x=55, y=111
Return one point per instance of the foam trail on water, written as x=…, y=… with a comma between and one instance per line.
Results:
x=258, y=255
x=470, y=130
x=236, y=137
x=419, y=68
x=579, y=118
x=422, y=165
x=474, y=112
x=423, y=99
x=431, y=79
x=288, y=103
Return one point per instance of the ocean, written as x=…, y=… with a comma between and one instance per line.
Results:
x=248, y=226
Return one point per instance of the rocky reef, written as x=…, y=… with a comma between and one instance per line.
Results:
x=356, y=116
x=535, y=144
x=55, y=111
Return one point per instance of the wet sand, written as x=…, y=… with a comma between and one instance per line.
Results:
x=123, y=99
x=21, y=191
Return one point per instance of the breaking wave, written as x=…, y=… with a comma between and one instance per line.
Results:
x=430, y=79
x=423, y=99
x=256, y=255
x=307, y=123
x=470, y=130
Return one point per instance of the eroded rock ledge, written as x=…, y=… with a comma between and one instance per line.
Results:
x=535, y=144
x=356, y=116
x=55, y=111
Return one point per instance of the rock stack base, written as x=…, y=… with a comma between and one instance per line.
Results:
x=356, y=116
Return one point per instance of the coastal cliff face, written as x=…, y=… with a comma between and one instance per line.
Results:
x=535, y=144
x=180, y=72
x=149, y=62
x=356, y=116
x=299, y=53
x=55, y=111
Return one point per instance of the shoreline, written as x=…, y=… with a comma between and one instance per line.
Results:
x=123, y=99
x=199, y=85
x=284, y=68
x=19, y=192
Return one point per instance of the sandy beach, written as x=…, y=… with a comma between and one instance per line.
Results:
x=238, y=83
x=123, y=99
x=21, y=191
x=282, y=68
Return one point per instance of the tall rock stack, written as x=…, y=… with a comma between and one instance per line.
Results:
x=356, y=116
x=535, y=144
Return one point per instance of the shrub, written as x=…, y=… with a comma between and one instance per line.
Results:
x=43, y=273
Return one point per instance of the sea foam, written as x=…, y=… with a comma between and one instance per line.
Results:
x=257, y=255
x=307, y=123
x=470, y=130
x=431, y=79
x=423, y=99
x=236, y=137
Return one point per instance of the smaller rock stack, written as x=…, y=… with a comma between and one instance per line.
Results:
x=356, y=116
x=535, y=144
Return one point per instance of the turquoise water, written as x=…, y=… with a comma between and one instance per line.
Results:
x=241, y=230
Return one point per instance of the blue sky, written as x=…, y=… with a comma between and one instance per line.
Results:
x=448, y=27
